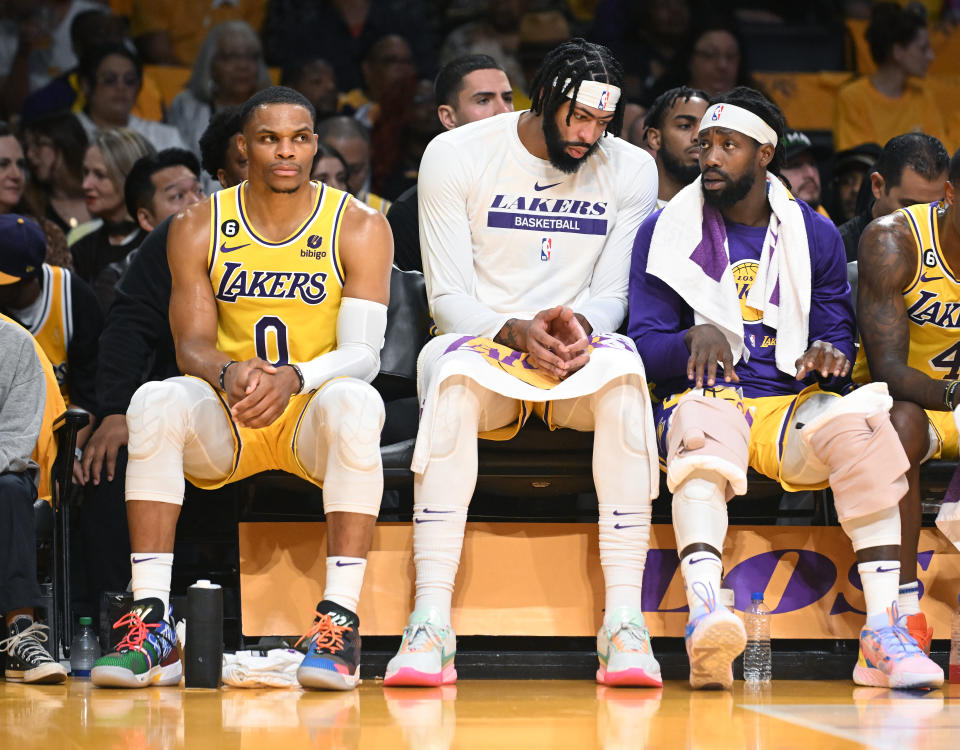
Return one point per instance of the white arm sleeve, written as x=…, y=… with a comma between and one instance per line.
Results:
x=360, y=328
x=606, y=307
x=447, y=248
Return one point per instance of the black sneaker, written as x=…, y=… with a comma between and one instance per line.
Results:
x=333, y=650
x=27, y=659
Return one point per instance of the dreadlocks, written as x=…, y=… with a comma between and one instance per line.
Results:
x=578, y=60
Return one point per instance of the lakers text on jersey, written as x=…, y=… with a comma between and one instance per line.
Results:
x=276, y=300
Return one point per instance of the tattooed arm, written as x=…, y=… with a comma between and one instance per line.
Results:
x=887, y=263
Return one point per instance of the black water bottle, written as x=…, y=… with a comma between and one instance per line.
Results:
x=204, y=651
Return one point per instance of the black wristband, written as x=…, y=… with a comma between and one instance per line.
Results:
x=223, y=372
x=949, y=393
x=299, y=376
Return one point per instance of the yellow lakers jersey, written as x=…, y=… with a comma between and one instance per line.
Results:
x=932, y=299
x=276, y=300
x=53, y=329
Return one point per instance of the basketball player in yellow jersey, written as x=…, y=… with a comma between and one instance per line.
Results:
x=278, y=310
x=908, y=310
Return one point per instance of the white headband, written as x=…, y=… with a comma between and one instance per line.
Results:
x=602, y=96
x=737, y=118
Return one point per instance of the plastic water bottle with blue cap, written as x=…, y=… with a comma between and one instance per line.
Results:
x=757, y=659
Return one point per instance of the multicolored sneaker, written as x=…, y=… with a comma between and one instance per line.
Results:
x=921, y=632
x=27, y=659
x=426, y=654
x=890, y=657
x=148, y=653
x=623, y=647
x=333, y=649
x=714, y=639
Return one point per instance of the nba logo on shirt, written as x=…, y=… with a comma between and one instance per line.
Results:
x=546, y=245
x=753, y=339
x=604, y=98
x=716, y=113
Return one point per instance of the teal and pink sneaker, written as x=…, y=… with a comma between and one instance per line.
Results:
x=426, y=654
x=147, y=655
x=890, y=657
x=624, y=651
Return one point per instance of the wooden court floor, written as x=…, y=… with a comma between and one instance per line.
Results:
x=536, y=715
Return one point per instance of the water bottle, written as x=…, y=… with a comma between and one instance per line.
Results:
x=757, y=661
x=955, y=644
x=84, y=650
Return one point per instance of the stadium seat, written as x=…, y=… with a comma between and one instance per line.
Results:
x=797, y=48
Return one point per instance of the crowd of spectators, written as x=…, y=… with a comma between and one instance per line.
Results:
x=98, y=152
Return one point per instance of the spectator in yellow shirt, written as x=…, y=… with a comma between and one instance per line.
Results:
x=894, y=99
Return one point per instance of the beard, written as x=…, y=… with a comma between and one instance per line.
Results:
x=734, y=192
x=678, y=170
x=556, y=145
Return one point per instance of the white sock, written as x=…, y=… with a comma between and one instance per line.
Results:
x=437, y=542
x=624, y=541
x=881, y=581
x=908, y=602
x=344, y=581
x=150, y=576
x=701, y=577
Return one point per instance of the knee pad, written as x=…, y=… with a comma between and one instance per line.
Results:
x=158, y=411
x=622, y=404
x=456, y=401
x=708, y=434
x=858, y=444
x=354, y=417
x=700, y=510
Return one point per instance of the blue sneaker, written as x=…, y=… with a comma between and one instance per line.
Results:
x=333, y=650
x=714, y=639
x=147, y=655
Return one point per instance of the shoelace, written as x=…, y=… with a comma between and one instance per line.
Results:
x=137, y=634
x=895, y=637
x=329, y=634
x=423, y=634
x=27, y=643
x=705, y=594
x=634, y=637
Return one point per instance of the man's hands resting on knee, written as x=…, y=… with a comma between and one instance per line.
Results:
x=556, y=340
x=258, y=392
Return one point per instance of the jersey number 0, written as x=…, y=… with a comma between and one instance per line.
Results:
x=262, y=331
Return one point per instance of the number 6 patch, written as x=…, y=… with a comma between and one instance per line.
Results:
x=929, y=258
x=230, y=228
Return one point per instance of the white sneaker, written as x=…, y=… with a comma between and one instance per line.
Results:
x=623, y=647
x=426, y=654
x=714, y=640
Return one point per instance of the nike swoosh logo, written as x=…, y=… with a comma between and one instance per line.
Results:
x=539, y=187
x=924, y=277
x=427, y=510
x=702, y=559
x=341, y=564
x=631, y=513
x=628, y=525
x=426, y=520
x=225, y=249
x=887, y=570
x=143, y=559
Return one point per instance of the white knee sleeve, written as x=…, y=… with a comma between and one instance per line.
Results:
x=700, y=511
x=339, y=443
x=879, y=529
x=162, y=419
x=624, y=465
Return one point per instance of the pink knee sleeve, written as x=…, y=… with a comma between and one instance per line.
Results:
x=708, y=434
x=866, y=461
